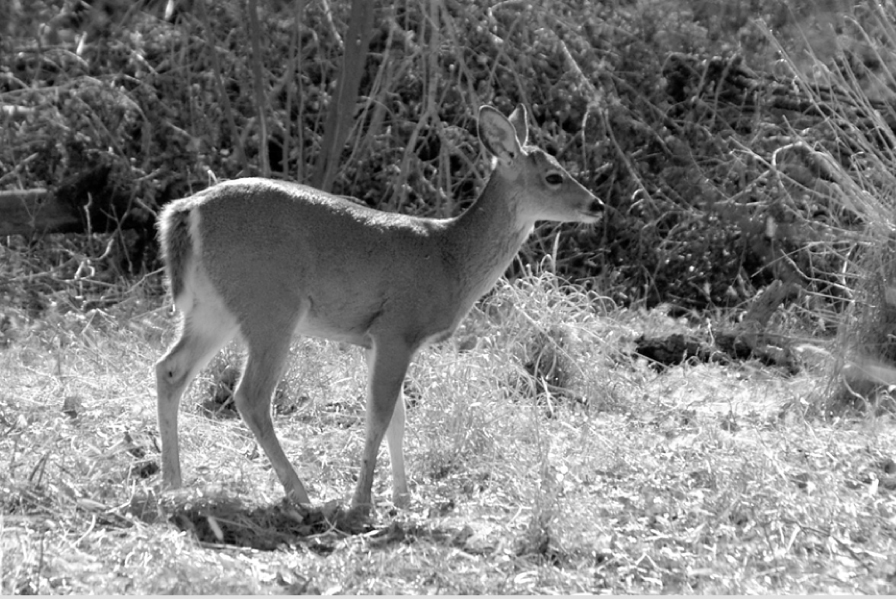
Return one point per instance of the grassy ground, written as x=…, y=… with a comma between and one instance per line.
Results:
x=612, y=478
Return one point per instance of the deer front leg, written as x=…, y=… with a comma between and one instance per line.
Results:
x=394, y=440
x=387, y=363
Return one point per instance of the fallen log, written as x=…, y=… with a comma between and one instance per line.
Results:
x=748, y=340
x=87, y=202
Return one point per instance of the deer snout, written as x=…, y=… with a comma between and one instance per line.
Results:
x=592, y=210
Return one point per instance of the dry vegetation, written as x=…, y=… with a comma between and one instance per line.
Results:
x=599, y=475
x=545, y=457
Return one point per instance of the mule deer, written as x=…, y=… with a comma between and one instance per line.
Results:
x=268, y=259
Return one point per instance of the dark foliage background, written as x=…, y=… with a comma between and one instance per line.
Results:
x=674, y=112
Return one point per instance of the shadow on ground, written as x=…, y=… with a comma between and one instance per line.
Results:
x=217, y=519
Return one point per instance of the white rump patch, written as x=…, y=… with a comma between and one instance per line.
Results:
x=200, y=302
x=194, y=222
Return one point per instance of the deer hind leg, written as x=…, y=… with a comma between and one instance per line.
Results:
x=264, y=367
x=387, y=363
x=204, y=330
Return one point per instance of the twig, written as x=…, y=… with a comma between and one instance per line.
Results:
x=219, y=85
x=258, y=84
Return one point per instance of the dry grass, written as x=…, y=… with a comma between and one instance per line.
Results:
x=543, y=457
x=850, y=76
x=605, y=476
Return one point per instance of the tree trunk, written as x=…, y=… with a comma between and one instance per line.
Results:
x=342, y=106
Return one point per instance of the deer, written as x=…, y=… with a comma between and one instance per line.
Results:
x=269, y=260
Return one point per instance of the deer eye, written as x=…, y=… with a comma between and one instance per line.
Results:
x=553, y=179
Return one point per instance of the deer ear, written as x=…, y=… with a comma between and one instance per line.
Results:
x=519, y=118
x=498, y=135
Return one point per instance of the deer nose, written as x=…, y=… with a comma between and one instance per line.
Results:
x=595, y=205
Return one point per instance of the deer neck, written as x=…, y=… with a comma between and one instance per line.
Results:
x=486, y=237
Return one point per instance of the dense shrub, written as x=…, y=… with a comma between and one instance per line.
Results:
x=653, y=104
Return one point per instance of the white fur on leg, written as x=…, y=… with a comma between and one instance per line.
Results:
x=394, y=439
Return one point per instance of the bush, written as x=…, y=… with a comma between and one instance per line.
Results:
x=651, y=103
